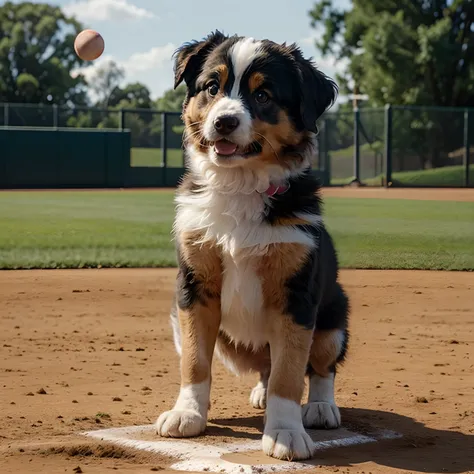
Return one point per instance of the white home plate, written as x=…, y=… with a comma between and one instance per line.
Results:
x=235, y=457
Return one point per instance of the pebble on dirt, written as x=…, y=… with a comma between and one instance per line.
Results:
x=421, y=400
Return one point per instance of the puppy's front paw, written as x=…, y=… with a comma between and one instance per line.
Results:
x=180, y=424
x=321, y=415
x=288, y=445
x=258, y=396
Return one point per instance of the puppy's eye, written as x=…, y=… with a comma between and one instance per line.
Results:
x=213, y=89
x=262, y=97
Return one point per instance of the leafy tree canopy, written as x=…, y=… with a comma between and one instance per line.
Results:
x=135, y=95
x=402, y=51
x=37, y=55
x=105, y=81
x=172, y=100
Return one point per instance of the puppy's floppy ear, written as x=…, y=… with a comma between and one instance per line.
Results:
x=190, y=57
x=317, y=91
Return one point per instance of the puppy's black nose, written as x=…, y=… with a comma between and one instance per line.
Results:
x=226, y=124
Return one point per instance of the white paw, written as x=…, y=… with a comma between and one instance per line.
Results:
x=288, y=445
x=321, y=415
x=180, y=424
x=258, y=396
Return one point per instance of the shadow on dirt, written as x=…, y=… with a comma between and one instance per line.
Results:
x=420, y=449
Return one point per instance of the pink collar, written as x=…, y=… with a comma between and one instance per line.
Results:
x=276, y=189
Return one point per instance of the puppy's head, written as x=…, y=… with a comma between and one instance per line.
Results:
x=250, y=103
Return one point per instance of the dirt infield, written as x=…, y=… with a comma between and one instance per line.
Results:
x=431, y=194
x=89, y=349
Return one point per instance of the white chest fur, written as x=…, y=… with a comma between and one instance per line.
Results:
x=243, y=317
x=235, y=222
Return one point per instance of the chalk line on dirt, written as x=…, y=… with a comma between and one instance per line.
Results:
x=195, y=456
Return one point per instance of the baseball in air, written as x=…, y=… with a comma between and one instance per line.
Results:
x=89, y=45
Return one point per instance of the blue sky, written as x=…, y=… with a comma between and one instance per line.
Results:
x=141, y=35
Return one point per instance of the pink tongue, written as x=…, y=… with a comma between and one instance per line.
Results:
x=224, y=147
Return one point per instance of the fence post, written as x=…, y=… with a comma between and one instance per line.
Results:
x=356, y=146
x=122, y=120
x=324, y=153
x=466, y=148
x=164, y=144
x=55, y=116
x=388, y=145
x=6, y=114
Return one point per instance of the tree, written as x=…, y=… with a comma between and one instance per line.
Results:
x=407, y=52
x=37, y=55
x=105, y=81
x=134, y=96
x=172, y=100
x=402, y=51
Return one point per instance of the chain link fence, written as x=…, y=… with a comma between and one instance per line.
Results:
x=156, y=138
x=371, y=146
x=351, y=137
x=395, y=145
x=52, y=116
x=336, y=143
x=401, y=146
x=428, y=146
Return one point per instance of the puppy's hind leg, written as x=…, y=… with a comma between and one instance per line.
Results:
x=242, y=359
x=328, y=349
x=321, y=410
x=258, y=395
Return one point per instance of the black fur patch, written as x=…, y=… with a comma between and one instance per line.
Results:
x=187, y=287
x=190, y=289
x=303, y=196
x=315, y=298
x=333, y=314
x=302, y=294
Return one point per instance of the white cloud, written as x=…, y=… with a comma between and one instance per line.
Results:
x=153, y=68
x=102, y=10
x=309, y=40
x=156, y=57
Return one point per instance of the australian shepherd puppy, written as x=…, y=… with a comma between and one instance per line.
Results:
x=257, y=281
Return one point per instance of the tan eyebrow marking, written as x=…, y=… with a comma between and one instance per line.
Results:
x=223, y=75
x=256, y=80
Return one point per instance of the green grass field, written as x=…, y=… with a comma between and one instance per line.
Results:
x=132, y=229
x=153, y=157
x=448, y=176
